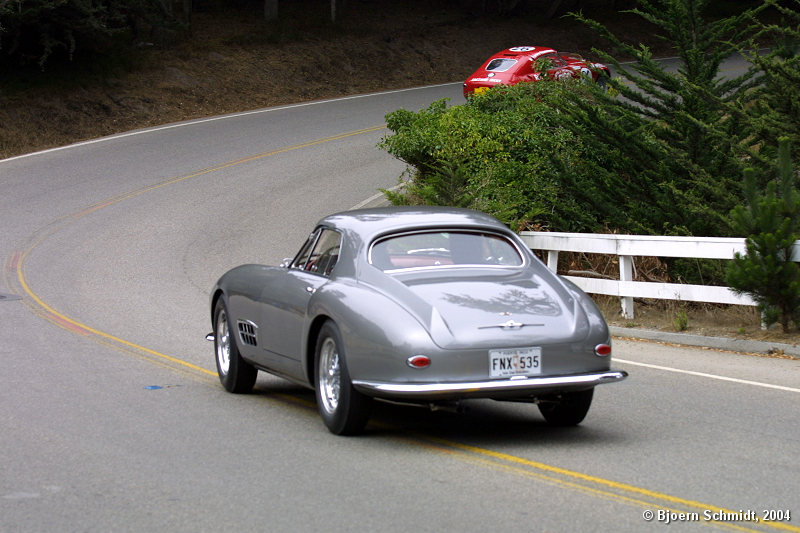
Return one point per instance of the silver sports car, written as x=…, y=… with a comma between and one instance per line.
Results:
x=415, y=305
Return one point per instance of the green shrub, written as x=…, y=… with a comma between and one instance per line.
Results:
x=659, y=153
x=512, y=152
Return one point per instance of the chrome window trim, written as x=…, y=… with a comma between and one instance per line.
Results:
x=505, y=237
x=311, y=241
x=448, y=267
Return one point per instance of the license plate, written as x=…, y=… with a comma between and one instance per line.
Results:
x=481, y=90
x=515, y=362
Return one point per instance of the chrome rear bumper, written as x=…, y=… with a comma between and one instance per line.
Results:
x=521, y=387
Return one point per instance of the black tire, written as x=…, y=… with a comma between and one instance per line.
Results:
x=568, y=409
x=235, y=374
x=602, y=82
x=344, y=410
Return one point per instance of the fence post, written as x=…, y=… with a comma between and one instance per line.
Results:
x=552, y=260
x=626, y=274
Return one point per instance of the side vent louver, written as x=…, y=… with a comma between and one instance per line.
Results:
x=247, y=332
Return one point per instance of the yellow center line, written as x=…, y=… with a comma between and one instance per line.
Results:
x=75, y=326
x=654, y=504
x=624, y=493
x=589, y=479
x=223, y=166
x=17, y=260
x=476, y=455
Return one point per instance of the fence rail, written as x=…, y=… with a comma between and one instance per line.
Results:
x=626, y=247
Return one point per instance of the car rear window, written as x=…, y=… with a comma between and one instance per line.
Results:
x=500, y=64
x=433, y=249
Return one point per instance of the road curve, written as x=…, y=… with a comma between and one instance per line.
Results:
x=113, y=419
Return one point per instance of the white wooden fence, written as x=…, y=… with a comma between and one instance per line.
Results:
x=626, y=247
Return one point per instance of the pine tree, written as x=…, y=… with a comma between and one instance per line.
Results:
x=699, y=149
x=771, y=222
x=775, y=106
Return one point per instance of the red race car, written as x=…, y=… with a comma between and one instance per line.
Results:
x=531, y=63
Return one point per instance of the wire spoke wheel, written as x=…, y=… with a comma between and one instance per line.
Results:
x=344, y=410
x=330, y=375
x=235, y=374
x=223, y=347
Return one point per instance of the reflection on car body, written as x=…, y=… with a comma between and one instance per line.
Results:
x=420, y=305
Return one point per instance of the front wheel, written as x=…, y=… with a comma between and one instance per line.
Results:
x=235, y=374
x=344, y=410
x=568, y=409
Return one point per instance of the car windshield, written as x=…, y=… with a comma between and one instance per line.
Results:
x=548, y=61
x=500, y=64
x=442, y=249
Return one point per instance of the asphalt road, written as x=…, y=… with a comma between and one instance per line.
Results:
x=113, y=418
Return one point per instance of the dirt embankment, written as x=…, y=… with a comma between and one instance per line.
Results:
x=233, y=61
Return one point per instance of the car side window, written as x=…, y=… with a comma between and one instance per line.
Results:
x=321, y=252
x=301, y=259
x=500, y=64
x=326, y=253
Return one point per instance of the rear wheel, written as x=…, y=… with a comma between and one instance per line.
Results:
x=344, y=410
x=568, y=409
x=602, y=81
x=235, y=374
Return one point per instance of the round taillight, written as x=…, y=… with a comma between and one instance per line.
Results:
x=602, y=350
x=419, y=361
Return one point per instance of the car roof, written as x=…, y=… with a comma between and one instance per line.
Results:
x=371, y=223
x=531, y=52
x=362, y=227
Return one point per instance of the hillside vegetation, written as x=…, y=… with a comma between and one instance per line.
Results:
x=232, y=60
x=660, y=152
